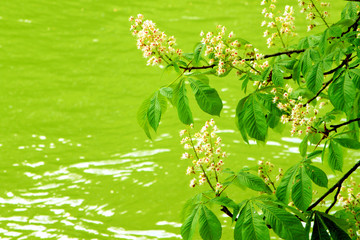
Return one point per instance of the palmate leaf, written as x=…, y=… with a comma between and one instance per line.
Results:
x=301, y=192
x=209, y=224
x=317, y=175
x=252, y=181
x=284, y=224
x=207, y=98
x=250, y=225
x=254, y=119
x=335, y=158
x=284, y=189
x=315, y=77
x=182, y=103
x=157, y=107
x=342, y=93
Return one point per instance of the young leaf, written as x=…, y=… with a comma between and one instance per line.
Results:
x=342, y=93
x=301, y=192
x=284, y=224
x=156, y=108
x=252, y=225
x=182, y=104
x=142, y=117
x=348, y=142
x=254, y=119
x=207, y=98
x=188, y=228
x=209, y=225
x=252, y=181
x=284, y=188
x=335, y=158
x=317, y=175
x=315, y=77
x=197, y=53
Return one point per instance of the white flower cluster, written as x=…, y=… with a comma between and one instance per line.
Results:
x=312, y=12
x=301, y=116
x=155, y=44
x=206, y=154
x=278, y=26
x=226, y=52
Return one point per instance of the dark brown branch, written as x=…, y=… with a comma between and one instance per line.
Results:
x=277, y=54
x=336, y=185
x=335, y=127
x=335, y=200
x=193, y=68
x=226, y=211
x=319, y=92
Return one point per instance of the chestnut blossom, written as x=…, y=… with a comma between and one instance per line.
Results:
x=156, y=46
x=206, y=147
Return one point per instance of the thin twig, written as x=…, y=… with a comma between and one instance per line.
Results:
x=336, y=185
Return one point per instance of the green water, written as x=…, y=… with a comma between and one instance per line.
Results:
x=74, y=164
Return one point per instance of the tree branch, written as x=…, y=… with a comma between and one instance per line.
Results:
x=336, y=185
x=277, y=54
x=335, y=127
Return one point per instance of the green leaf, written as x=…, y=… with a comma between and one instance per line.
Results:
x=207, y=98
x=166, y=92
x=284, y=224
x=188, y=228
x=209, y=225
x=350, y=10
x=182, y=104
x=156, y=108
x=239, y=118
x=142, y=117
x=252, y=181
x=254, y=119
x=342, y=93
x=335, y=158
x=303, y=146
x=317, y=175
x=319, y=230
x=305, y=62
x=348, y=142
x=250, y=225
x=355, y=76
x=335, y=231
x=197, y=53
x=301, y=192
x=315, y=77
x=227, y=202
x=277, y=76
x=313, y=154
x=284, y=188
